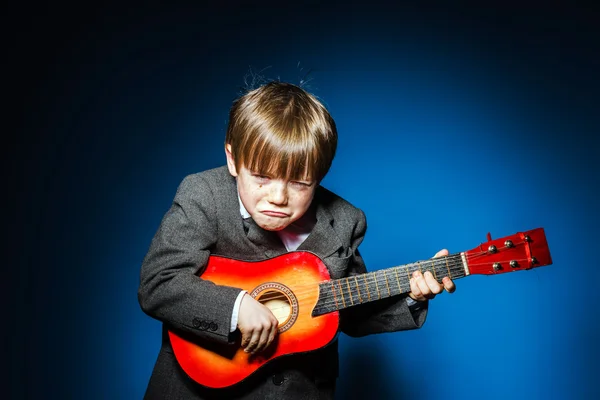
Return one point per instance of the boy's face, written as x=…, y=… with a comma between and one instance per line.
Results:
x=273, y=203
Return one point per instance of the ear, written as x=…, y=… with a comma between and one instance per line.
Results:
x=230, y=161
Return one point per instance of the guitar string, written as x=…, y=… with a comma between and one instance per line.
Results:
x=384, y=278
x=350, y=298
x=371, y=277
x=329, y=299
x=375, y=277
x=439, y=263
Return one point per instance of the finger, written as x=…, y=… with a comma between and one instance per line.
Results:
x=253, y=342
x=268, y=334
x=262, y=341
x=433, y=284
x=423, y=287
x=449, y=285
x=273, y=332
x=246, y=336
x=441, y=253
x=415, y=291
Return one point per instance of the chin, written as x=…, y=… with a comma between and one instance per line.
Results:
x=272, y=227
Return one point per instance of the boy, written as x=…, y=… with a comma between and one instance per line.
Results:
x=279, y=145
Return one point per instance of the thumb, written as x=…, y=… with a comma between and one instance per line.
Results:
x=441, y=253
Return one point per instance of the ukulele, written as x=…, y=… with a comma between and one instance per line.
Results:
x=298, y=289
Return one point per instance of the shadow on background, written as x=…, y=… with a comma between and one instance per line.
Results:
x=364, y=374
x=453, y=122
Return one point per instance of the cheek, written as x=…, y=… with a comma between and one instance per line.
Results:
x=257, y=194
x=249, y=195
x=301, y=200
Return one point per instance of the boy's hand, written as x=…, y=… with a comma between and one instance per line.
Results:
x=424, y=286
x=257, y=324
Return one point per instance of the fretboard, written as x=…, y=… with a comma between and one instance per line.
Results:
x=342, y=293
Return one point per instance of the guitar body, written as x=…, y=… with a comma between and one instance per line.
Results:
x=288, y=285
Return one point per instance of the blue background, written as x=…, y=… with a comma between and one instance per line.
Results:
x=452, y=123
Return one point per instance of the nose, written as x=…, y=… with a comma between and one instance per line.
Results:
x=278, y=193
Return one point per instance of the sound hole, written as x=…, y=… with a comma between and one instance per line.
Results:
x=279, y=305
x=280, y=300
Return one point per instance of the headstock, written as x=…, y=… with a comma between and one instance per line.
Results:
x=523, y=250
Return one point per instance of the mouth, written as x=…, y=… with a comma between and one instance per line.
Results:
x=276, y=214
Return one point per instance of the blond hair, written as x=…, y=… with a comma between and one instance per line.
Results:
x=281, y=130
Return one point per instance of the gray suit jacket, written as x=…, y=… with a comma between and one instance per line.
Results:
x=204, y=219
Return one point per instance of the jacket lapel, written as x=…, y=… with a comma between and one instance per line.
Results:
x=323, y=240
x=268, y=242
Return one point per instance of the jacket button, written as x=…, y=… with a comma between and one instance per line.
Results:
x=203, y=325
x=212, y=326
x=196, y=323
x=278, y=379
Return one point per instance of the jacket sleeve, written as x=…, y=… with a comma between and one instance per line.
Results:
x=170, y=289
x=386, y=315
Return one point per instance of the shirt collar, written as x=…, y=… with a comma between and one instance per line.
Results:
x=243, y=211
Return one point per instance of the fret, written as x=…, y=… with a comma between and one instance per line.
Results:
x=398, y=280
x=371, y=286
x=376, y=285
x=435, y=272
x=459, y=270
x=387, y=283
x=342, y=293
x=409, y=274
x=443, y=271
x=416, y=267
x=358, y=289
x=445, y=267
x=403, y=283
x=394, y=290
x=367, y=286
x=349, y=291
x=334, y=296
x=448, y=268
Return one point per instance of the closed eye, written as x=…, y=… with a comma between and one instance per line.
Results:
x=301, y=184
x=261, y=178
